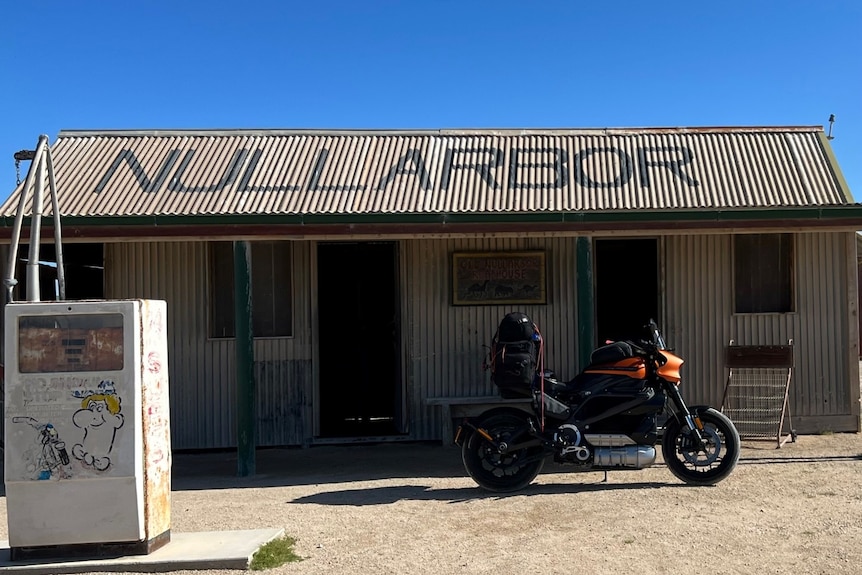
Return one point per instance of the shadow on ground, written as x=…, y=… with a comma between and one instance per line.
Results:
x=321, y=465
x=801, y=459
x=385, y=495
x=278, y=467
x=329, y=464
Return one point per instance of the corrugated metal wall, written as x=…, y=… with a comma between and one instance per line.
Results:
x=202, y=371
x=445, y=342
x=700, y=319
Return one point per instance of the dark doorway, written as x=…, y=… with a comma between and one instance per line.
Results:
x=359, y=338
x=627, y=287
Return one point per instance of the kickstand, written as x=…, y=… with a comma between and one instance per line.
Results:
x=605, y=480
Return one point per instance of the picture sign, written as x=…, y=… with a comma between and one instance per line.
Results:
x=492, y=278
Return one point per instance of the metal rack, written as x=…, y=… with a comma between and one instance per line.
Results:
x=757, y=390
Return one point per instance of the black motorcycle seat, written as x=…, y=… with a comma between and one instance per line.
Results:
x=553, y=387
x=612, y=352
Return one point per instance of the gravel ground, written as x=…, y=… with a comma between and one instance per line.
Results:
x=409, y=508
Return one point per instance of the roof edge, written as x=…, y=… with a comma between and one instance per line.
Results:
x=429, y=131
x=835, y=167
x=795, y=214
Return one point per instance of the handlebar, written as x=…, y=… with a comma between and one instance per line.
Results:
x=655, y=335
x=653, y=345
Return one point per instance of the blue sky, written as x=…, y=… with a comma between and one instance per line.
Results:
x=433, y=64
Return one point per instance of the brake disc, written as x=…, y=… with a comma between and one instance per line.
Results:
x=712, y=444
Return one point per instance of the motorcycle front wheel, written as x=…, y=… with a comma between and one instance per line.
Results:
x=496, y=471
x=705, y=466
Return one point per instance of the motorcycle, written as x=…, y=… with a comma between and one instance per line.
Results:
x=605, y=419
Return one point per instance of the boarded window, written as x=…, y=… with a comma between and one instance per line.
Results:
x=763, y=273
x=271, y=301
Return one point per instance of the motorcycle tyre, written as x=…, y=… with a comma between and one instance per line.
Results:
x=474, y=454
x=731, y=445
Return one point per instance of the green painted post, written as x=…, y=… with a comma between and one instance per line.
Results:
x=245, y=391
x=586, y=301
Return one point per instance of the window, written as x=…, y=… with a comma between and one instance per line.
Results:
x=83, y=271
x=763, y=273
x=271, y=294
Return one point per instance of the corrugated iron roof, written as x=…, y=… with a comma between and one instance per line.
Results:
x=231, y=172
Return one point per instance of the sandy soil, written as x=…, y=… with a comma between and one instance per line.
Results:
x=406, y=509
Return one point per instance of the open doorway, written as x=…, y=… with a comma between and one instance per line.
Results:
x=83, y=270
x=359, y=338
x=627, y=287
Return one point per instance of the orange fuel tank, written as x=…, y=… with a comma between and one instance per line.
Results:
x=670, y=370
x=633, y=367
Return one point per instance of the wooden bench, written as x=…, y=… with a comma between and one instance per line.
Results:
x=461, y=407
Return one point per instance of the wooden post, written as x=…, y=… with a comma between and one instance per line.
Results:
x=245, y=388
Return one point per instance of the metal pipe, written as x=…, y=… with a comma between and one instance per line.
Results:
x=33, y=291
x=9, y=281
x=58, y=239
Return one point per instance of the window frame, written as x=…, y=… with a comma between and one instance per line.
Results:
x=210, y=304
x=791, y=275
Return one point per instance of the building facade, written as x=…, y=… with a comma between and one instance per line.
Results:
x=381, y=262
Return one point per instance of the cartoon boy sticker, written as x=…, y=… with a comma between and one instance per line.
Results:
x=100, y=418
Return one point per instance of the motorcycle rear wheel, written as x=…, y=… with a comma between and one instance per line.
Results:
x=705, y=467
x=495, y=471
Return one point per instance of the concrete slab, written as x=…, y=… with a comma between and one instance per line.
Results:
x=204, y=550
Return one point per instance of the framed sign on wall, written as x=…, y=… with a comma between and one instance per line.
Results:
x=492, y=278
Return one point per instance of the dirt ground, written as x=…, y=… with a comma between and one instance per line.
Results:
x=411, y=509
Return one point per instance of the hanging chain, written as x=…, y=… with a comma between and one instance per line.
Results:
x=19, y=156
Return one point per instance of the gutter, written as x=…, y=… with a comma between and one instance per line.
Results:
x=845, y=217
x=631, y=215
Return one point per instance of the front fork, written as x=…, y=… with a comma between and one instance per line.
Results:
x=691, y=420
